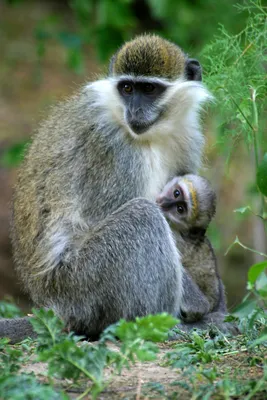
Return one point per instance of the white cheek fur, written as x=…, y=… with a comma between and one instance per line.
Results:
x=168, y=142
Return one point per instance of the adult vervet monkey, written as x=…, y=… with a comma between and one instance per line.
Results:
x=89, y=240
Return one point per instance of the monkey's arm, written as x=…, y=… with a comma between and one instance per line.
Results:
x=221, y=305
x=194, y=303
x=16, y=329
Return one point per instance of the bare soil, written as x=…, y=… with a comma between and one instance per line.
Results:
x=139, y=381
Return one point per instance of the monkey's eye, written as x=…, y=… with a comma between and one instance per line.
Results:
x=149, y=88
x=180, y=209
x=127, y=88
x=176, y=193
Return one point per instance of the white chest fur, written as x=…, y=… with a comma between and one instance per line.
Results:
x=161, y=163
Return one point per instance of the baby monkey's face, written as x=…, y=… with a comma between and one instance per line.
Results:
x=177, y=202
x=188, y=202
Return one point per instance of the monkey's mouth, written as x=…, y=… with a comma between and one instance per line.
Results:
x=138, y=128
x=141, y=124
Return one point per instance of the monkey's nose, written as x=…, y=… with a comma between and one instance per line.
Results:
x=137, y=127
x=165, y=203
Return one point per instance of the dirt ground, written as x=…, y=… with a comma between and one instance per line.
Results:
x=139, y=381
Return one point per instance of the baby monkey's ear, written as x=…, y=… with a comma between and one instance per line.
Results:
x=197, y=232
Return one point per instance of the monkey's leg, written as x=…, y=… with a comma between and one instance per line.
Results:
x=126, y=266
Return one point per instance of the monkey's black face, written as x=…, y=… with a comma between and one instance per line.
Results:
x=140, y=98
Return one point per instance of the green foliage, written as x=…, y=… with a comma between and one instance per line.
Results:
x=235, y=67
x=235, y=71
x=83, y=364
x=245, y=308
x=207, y=384
x=9, y=310
x=68, y=360
x=207, y=381
x=262, y=339
x=15, y=386
x=106, y=24
x=14, y=154
x=255, y=271
x=154, y=328
x=48, y=327
x=252, y=311
x=21, y=387
x=196, y=350
x=13, y=2
x=242, y=210
x=10, y=358
x=262, y=176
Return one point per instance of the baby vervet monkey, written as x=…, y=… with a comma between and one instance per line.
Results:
x=189, y=203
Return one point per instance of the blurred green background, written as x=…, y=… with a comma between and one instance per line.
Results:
x=48, y=48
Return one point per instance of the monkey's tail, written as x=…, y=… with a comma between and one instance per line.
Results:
x=16, y=329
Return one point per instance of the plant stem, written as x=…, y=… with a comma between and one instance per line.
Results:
x=237, y=241
x=256, y=146
x=85, y=393
x=255, y=390
x=255, y=127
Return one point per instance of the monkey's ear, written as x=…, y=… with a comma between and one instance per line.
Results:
x=193, y=70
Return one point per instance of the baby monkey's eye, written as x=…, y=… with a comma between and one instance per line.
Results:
x=180, y=209
x=176, y=193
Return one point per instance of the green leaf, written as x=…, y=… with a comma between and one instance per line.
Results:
x=152, y=327
x=262, y=176
x=147, y=352
x=70, y=40
x=242, y=210
x=21, y=387
x=263, y=292
x=48, y=327
x=115, y=14
x=255, y=271
x=9, y=310
x=261, y=282
x=245, y=308
x=75, y=60
x=261, y=339
x=14, y=154
x=112, y=36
